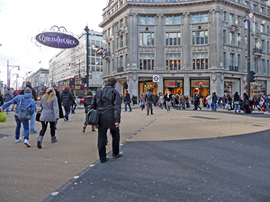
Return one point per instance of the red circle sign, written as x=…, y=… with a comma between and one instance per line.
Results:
x=156, y=78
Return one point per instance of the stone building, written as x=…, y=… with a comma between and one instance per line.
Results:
x=191, y=45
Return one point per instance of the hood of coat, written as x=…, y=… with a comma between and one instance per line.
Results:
x=27, y=96
x=66, y=91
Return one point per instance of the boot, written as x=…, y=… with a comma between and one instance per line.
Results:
x=93, y=128
x=84, y=127
x=53, y=138
x=39, y=142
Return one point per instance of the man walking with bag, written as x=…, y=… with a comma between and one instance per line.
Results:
x=107, y=101
x=149, y=98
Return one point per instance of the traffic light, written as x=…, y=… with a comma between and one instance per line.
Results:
x=125, y=85
x=144, y=84
x=251, y=76
x=178, y=85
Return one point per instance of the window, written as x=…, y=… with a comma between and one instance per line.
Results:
x=121, y=61
x=231, y=18
x=232, y=38
x=262, y=66
x=147, y=61
x=200, y=18
x=199, y=37
x=261, y=9
x=168, y=20
x=231, y=59
x=224, y=16
x=93, y=61
x=267, y=68
x=246, y=43
x=262, y=28
x=121, y=41
x=173, y=61
x=255, y=65
x=121, y=23
x=150, y=20
x=262, y=45
x=176, y=20
x=173, y=39
x=147, y=39
x=267, y=47
x=224, y=36
x=238, y=39
x=238, y=61
x=200, y=60
x=224, y=60
x=246, y=3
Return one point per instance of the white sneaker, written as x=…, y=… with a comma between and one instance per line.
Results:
x=17, y=141
x=27, y=143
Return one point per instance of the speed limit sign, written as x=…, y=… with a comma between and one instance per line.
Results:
x=155, y=78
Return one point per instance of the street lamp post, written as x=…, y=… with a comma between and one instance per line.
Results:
x=248, y=57
x=87, y=58
x=8, y=72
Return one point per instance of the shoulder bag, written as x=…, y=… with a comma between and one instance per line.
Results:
x=38, y=115
x=92, y=116
x=24, y=114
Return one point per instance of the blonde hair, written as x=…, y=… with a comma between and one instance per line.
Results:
x=50, y=93
x=67, y=87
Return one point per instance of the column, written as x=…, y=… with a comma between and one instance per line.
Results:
x=186, y=48
x=133, y=41
x=132, y=81
x=161, y=84
x=242, y=67
x=186, y=85
x=160, y=42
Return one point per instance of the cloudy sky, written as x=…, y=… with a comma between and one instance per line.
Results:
x=20, y=20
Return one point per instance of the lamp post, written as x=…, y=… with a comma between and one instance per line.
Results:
x=248, y=57
x=8, y=72
x=87, y=58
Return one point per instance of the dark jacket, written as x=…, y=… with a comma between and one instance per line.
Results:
x=34, y=93
x=88, y=102
x=214, y=99
x=57, y=94
x=128, y=97
x=149, y=97
x=1, y=100
x=108, y=102
x=166, y=98
x=7, y=97
x=67, y=99
x=236, y=97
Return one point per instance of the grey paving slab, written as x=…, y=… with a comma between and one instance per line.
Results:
x=232, y=168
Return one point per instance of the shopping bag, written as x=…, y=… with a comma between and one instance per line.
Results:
x=3, y=117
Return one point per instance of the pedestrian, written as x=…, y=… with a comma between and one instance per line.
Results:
x=23, y=102
x=121, y=96
x=187, y=101
x=67, y=99
x=236, y=101
x=33, y=119
x=182, y=101
x=197, y=102
x=107, y=101
x=57, y=94
x=127, y=102
x=49, y=114
x=161, y=100
x=168, y=98
x=1, y=99
x=149, y=98
x=173, y=101
x=73, y=106
x=88, y=98
x=7, y=98
x=214, y=101
x=142, y=103
x=245, y=104
x=209, y=102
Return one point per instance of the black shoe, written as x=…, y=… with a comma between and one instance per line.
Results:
x=104, y=160
x=118, y=155
x=152, y=113
x=147, y=114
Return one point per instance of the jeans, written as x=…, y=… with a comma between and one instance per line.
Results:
x=67, y=111
x=173, y=105
x=236, y=107
x=208, y=106
x=18, y=128
x=149, y=106
x=32, y=123
x=7, y=110
x=126, y=103
x=214, y=106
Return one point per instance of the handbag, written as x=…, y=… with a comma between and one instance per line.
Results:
x=3, y=117
x=38, y=115
x=24, y=114
x=92, y=117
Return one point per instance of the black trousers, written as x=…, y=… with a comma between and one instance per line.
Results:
x=44, y=128
x=149, y=106
x=103, y=126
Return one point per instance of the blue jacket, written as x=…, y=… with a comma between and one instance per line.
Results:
x=27, y=103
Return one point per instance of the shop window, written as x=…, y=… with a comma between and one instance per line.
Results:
x=173, y=39
x=147, y=39
x=174, y=86
x=200, y=61
x=231, y=86
x=147, y=61
x=200, y=86
x=149, y=85
x=199, y=37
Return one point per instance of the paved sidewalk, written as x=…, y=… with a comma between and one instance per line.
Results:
x=31, y=174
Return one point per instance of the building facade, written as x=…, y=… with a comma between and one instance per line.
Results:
x=191, y=45
x=38, y=78
x=71, y=62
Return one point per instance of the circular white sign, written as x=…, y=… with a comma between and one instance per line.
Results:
x=155, y=78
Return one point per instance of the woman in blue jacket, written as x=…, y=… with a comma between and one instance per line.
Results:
x=27, y=103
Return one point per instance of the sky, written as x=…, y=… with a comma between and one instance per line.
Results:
x=22, y=20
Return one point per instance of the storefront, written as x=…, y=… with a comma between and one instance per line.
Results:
x=231, y=86
x=174, y=86
x=200, y=85
x=258, y=87
x=147, y=83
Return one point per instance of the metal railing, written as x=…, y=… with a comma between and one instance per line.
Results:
x=233, y=68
